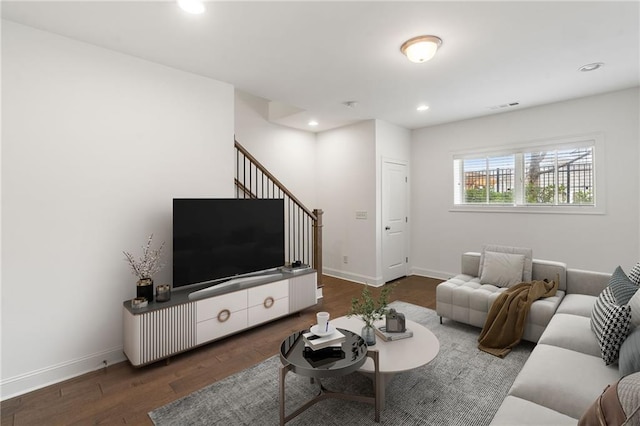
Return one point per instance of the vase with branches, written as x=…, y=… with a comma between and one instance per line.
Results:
x=370, y=310
x=146, y=267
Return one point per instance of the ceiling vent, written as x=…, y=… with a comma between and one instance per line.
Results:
x=502, y=106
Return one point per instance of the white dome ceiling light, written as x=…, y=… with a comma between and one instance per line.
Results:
x=422, y=48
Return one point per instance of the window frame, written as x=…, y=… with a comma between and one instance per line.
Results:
x=595, y=141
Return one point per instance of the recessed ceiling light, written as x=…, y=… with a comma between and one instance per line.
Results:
x=313, y=123
x=195, y=7
x=422, y=108
x=591, y=67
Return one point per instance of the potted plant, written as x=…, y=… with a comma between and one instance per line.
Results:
x=370, y=310
x=145, y=267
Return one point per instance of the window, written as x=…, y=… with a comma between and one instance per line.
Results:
x=548, y=175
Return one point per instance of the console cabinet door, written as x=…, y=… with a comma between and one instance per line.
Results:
x=302, y=292
x=221, y=315
x=268, y=302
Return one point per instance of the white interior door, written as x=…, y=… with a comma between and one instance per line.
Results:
x=394, y=220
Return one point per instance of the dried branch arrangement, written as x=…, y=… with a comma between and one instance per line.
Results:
x=149, y=263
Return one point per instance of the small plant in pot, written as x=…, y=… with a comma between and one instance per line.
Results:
x=145, y=267
x=370, y=310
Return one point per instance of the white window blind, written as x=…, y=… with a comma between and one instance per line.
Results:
x=549, y=175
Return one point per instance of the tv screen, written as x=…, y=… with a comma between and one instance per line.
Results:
x=215, y=239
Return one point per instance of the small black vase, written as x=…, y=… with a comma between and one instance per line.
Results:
x=144, y=288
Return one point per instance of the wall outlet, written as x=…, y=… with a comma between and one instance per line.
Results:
x=345, y=259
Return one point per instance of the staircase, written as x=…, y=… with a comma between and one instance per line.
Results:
x=303, y=227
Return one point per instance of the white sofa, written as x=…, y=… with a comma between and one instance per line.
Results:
x=565, y=372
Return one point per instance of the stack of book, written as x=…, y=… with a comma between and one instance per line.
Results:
x=388, y=337
x=316, y=342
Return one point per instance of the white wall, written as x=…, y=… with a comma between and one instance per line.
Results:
x=289, y=154
x=347, y=183
x=595, y=242
x=95, y=145
x=349, y=180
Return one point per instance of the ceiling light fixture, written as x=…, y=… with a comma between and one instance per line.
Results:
x=422, y=48
x=422, y=108
x=591, y=67
x=195, y=7
x=313, y=123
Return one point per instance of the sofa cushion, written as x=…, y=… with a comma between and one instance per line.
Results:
x=526, y=252
x=622, y=287
x=577, y=304
x=610, y=322
x=557, y=378
x=629, y=361
x=518, y=411
x=571, y=332
x=502, y=269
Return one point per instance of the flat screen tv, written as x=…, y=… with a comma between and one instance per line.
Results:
x=216, y=239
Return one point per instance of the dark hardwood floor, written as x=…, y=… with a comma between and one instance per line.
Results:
x=121, y=394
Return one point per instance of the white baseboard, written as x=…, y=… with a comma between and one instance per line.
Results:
x=362, y=279
x=431, y=273
x=33, y=380
x=377, y=282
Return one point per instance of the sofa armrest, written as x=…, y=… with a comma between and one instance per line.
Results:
x=470, y=263
x=586, y=282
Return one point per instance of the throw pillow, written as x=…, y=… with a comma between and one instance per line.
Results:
x=619, y=404
x=634, y=274
x=610, y=323
x=634, y=304
x=629, y=361
x=623, y=289
x=502, y=269
x=527, y=272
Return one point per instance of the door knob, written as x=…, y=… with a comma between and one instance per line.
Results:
x=387, y=228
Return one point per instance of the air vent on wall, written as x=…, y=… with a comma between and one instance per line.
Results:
x=509, y=105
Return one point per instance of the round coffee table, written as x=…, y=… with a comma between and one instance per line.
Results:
x=395, y=356
x=350, y=357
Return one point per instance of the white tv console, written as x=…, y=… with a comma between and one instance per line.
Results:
x=161, y=330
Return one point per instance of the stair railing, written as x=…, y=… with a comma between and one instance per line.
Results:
x=303, y=227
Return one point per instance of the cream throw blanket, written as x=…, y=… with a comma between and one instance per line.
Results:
x=507, y=316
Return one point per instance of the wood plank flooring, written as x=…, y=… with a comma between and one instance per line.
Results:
x=121, y=394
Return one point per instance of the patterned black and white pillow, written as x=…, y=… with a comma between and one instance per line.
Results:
x=622, y=287
x=610, y=323
x=634, y=274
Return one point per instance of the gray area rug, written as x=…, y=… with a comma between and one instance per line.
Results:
x=462, y=386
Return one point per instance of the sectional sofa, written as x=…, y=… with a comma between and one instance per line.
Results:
x=565, y=372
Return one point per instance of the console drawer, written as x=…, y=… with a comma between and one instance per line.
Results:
x=215, y=328
x=211, y=308
x=260, y=295
x=268, y=311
